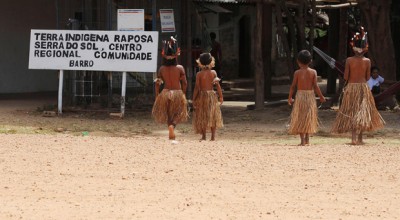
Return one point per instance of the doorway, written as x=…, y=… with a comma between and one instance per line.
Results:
x=245, y=48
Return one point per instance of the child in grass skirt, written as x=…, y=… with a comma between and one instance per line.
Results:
x=357, y=112
x=304, y=116
x=207, y=112
x=170, y=106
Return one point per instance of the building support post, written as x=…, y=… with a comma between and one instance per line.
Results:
x=154, y=14
x=267, y=47
x=187, y=26
x=333, y=40
x=259, y=69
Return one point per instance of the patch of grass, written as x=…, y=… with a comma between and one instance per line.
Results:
x=47, y=107
x=24, y=130
x=281, y=133
x=8, y=131
x=324, y=133
x=184, y=131
x=145, y=131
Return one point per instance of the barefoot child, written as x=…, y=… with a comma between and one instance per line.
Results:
x=304, y=116
x=170, y=106
x=357, y=112
x=207, y=113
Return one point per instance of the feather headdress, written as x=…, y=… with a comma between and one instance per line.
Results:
x=170, y=49
x=359, y=42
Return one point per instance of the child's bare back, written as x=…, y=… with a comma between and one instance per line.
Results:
x=207, y=111
x=172, y=76
x=205, y=79
x=357, y=69
x=304, y=118
x=306, y=78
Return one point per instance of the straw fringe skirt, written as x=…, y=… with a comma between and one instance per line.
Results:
x=304, y=116
x=207, y=113
x=357, y=110
x=170, y=107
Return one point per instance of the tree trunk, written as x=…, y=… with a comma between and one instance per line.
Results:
x=343, y=34
x=187, y=54
x=259, y=72
x=301, y=17
x=333, y=39
x=396, y=35
x=343, y=44
x=267, y=47
x=377, y=24
x=280, y=31
x=312, y=28
x=281, y=5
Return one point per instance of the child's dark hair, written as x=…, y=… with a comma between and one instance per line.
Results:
x=213, y=36
x=169, y=62
x=374, y=68
x=304, y=57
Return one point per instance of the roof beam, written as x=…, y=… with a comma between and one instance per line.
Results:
x=338, y=6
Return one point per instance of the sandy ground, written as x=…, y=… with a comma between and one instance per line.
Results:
x=88, y=166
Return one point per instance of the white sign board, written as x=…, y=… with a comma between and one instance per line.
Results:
x=167, y=20
x=130, y=19
x=94, y=50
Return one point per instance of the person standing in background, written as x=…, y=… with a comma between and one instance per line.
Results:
x=216, y=52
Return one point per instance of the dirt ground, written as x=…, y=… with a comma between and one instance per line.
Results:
x=84, y=165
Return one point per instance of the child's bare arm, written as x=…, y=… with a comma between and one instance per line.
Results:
x=196, y=88
x=157, y=87
x=292, y=88
x=368, y=73
x=219, y=90
x=158, y=81
x=317, y=89
x=346, y=70
x=183, y=80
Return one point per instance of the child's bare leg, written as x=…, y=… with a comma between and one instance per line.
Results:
x=360, y=138
x=353, y=137
x=171, y=132
x=307, y=139
x=302, y=143
x=203, y=135
x=213, y=129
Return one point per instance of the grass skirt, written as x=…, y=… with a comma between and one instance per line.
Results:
x=170, y=107
x=357, y=110
x=304, y=116
x=207, y=113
